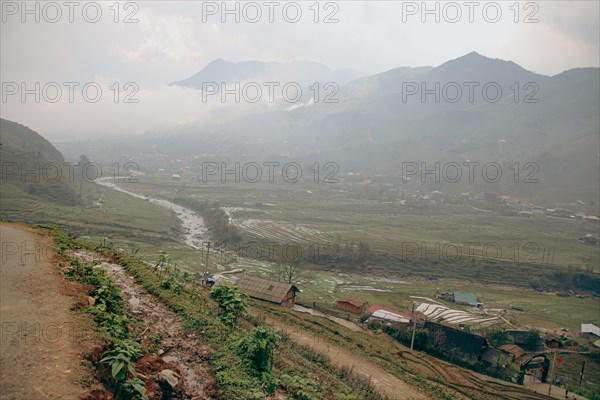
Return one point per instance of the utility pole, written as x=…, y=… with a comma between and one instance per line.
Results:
x=205, y=277
x=552, y=368
x=581, y=376
x=412, y=340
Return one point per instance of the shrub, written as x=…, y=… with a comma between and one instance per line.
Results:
x=232, y=303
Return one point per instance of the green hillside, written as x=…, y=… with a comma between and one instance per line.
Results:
x=32, y=167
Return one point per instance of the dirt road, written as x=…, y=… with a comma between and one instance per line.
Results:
x=39, y=356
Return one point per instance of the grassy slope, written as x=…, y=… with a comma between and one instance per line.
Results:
x=132, y=221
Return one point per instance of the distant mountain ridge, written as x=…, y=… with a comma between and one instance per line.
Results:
x=229, y=72
x=377, y=124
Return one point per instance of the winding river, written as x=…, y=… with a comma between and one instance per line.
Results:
x=192, y=223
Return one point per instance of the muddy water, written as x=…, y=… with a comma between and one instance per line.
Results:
x=194, y=230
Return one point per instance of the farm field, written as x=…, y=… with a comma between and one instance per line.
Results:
x=325, y=213
x=119, y=219
x=539, y=309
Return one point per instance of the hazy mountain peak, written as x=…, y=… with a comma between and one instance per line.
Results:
x=479, y=68
x=474, y=54
x=303, y=71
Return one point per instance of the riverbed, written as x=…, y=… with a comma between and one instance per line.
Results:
x=192, y=223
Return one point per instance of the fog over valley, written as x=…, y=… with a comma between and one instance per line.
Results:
x=323, y=200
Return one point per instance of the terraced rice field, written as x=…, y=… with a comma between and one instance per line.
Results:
x=455, y=317
x=279, y=231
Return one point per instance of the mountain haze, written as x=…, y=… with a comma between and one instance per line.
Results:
x=299, y=71
x=377, y=123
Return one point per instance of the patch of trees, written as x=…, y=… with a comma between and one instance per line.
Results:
x=568, y=281
x=497, y=337
x=503, y=368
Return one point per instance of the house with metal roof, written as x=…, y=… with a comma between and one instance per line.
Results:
x=468, y=299
x=590, y=331
x=353, y=304
x=515, y=351
x=272, y=291
x=389, y=314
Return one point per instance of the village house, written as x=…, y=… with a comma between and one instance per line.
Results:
x=389, y=314
x=553, y=342
x=515, y=201
x=590, y=239
x=353, y=304
x=272, y=291
x=467, y=299
x=492, y=197
x=590, y=331
x=558, y=212
x=514, y=351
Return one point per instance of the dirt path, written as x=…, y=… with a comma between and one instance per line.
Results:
x=39, y=356
x=177, y=347
x=385, y=382
x=468, y=382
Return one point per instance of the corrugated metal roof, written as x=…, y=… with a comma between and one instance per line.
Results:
x=265, y=289
x=513, y=349
x=389, y=316
x=378, y=307
x=590, y=328
x=467, y=298
x=356, y=301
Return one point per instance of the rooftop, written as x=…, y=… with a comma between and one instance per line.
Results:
x=354, y=300
x=512, y=349
x=265, y=289
x=590, y=328
x=390, y=316
x=467, y=298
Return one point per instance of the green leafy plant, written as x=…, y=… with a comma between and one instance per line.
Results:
x=121, y=361
x=257, y=346
x=498, y=337
x=232, y=303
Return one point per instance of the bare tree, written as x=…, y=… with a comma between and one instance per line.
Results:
x=289, y=272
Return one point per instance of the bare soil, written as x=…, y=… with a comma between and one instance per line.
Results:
x=40, y=350
x=178, y=350
x=386, y=383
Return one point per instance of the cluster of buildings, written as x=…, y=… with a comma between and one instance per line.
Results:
x=528, y=350
x=506, y=204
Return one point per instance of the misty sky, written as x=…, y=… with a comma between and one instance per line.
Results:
x=171, y=42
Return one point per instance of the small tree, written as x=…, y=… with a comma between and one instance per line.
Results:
x=232, y=303
x=257, y=347
x=533, y=338
x=498, y=337
x=163, y=260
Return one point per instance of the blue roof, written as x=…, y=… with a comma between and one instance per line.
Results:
x=466, y=298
